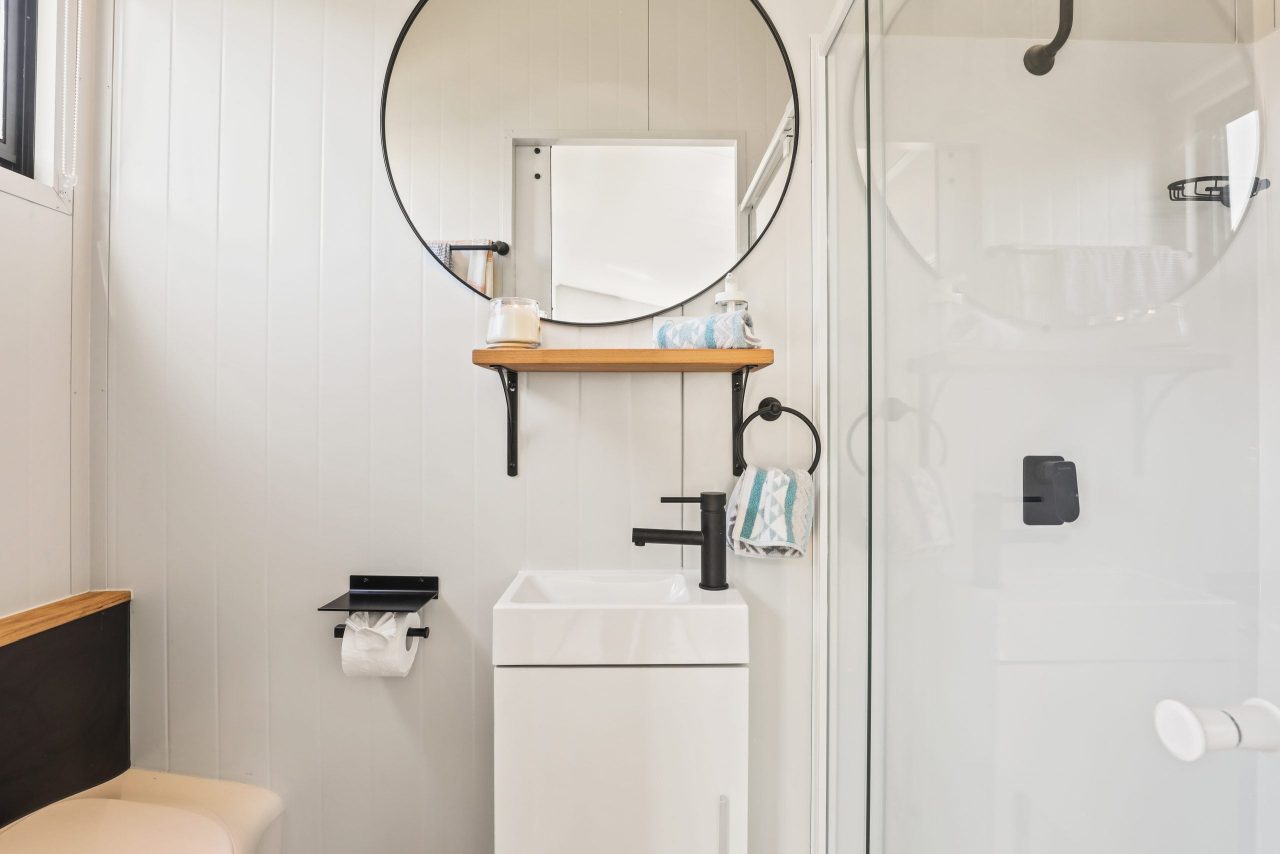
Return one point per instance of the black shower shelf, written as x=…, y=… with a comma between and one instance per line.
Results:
x=1210, y=188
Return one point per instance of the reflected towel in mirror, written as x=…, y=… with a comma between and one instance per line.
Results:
x=475, y=267
x=1089, y=284
x=443, y=251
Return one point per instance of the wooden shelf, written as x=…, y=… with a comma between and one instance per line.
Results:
x=624, y=361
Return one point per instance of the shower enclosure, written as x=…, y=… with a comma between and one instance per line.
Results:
x=1054, y=393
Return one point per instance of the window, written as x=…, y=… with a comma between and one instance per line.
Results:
x=18, y=85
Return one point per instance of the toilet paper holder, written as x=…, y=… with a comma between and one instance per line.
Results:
x=424, y=632
x=398, y=594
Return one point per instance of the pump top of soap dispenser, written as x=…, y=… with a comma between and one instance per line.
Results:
x=731, y=297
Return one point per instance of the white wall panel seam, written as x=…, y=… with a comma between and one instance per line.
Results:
x=111, y=534
x=320, y=316
x=266, y=389
x=164, y=449
x=217, y=361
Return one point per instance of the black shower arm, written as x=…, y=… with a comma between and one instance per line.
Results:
x=1066, y=19
x=1039, y=58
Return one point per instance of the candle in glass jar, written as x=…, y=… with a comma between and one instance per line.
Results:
x=514, y=320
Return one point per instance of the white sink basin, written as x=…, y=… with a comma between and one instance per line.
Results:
x=622, y=617
x=597, y=588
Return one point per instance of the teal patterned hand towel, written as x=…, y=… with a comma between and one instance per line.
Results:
x=731, y=330
x=771, y=513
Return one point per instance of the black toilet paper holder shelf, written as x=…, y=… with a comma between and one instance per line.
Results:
x=397, y=594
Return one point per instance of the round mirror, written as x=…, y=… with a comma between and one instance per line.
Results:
x=1094, y=194
x=610, y=159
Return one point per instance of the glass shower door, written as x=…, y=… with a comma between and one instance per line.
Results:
x=1051, y=496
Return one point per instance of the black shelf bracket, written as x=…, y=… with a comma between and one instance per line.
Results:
x=511, y=391
x=510, y=379
x=739, y=390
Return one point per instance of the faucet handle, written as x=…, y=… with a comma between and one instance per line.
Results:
x=713, y=502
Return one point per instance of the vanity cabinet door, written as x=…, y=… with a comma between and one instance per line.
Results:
x=628, y=760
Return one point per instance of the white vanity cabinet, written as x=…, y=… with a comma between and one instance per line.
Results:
x=644, y=756
x=625, y=760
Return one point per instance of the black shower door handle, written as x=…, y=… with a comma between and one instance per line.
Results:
x=1050, y=491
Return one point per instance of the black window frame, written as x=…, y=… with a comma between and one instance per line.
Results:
x=17, y=148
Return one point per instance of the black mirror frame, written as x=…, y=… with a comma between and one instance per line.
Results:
x=395, y=191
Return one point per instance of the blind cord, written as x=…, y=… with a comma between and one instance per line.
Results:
x=71, y=97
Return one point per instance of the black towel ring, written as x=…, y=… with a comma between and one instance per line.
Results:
x=771, y=409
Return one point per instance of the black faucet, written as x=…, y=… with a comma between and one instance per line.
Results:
x=711, y=538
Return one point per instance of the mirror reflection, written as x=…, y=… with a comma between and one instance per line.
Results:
x=1093, y=195
x=609, y=158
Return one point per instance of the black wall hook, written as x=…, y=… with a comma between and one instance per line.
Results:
x=771, y=409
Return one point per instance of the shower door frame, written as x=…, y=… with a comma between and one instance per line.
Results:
x=820, y=739
x=853, y=580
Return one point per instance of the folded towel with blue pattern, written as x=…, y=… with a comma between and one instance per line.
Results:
x=771, y=513
x=729, y=330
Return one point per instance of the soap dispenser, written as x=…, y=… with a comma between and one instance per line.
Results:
x=731, y=297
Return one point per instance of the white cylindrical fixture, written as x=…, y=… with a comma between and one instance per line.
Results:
x=1189, y=733
x=514, y=322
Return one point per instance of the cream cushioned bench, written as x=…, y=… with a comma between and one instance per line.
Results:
x=151, y=811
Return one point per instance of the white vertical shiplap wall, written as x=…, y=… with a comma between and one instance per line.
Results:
x=35, y=404
x=290, y=399
x=47, y=259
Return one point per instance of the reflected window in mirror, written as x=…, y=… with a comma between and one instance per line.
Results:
x=612, y=228
x=1093, y=197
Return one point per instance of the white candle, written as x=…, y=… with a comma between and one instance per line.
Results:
x=514, y=320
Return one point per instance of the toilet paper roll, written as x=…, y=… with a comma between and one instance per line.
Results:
x=379, y=644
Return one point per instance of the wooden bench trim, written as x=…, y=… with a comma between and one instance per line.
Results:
x=41, y=618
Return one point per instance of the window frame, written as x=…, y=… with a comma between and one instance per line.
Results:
x=17, y=149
